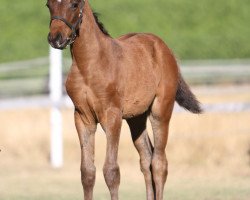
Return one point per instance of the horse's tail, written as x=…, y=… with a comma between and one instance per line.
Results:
x=185, y=98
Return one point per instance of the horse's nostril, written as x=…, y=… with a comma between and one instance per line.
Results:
x=57, y=40
x=58, y=37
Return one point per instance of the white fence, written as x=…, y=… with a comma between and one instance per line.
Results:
x=55, y=88
x=26, y=83
x=45, y=102
x=28, y=78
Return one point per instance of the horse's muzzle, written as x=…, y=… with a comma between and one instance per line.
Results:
x=58, y=42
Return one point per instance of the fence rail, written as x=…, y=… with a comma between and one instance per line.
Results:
x=28, y=78
x=44, y=102
x=31, y=77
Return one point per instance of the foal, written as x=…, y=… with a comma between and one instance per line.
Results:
x=132, y=77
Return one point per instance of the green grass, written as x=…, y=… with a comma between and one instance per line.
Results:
x=23, y=30
x=197, y=29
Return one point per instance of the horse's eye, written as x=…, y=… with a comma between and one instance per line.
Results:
x=74, y=6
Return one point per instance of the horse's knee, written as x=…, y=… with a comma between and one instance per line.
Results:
x=111, y=174
x=88, y=176
x=145, y=166
x=160, y=167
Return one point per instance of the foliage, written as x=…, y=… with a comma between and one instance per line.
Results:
x=196, y=29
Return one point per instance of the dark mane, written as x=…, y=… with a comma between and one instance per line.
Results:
x=100, y=24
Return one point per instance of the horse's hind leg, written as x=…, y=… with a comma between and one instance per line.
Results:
x=145, y=149
x=160, y=116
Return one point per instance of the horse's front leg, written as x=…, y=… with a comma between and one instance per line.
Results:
x=111, y=124
x=86, y=132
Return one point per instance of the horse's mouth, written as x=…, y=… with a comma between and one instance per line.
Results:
x=57, y=44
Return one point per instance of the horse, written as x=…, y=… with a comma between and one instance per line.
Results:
x=133, y=77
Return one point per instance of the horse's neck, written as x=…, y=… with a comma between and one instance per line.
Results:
x=91, y=39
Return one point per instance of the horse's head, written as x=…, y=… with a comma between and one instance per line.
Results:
x=66, y=17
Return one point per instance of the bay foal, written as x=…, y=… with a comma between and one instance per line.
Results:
x=132, y=77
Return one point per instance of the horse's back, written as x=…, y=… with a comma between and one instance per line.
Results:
x=132, y=36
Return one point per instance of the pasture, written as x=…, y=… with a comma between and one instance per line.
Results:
x=209, y=155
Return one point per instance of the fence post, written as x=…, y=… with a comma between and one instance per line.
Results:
x=55, y=86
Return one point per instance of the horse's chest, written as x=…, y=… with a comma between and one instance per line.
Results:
x=83, y=97
x=75, y=89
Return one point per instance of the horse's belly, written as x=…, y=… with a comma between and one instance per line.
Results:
x=140, y=89
x=138, y=101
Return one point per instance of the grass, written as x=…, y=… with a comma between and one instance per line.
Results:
x=37, y=183
x=23, y=30
x=208, y=156
x=194, y=30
